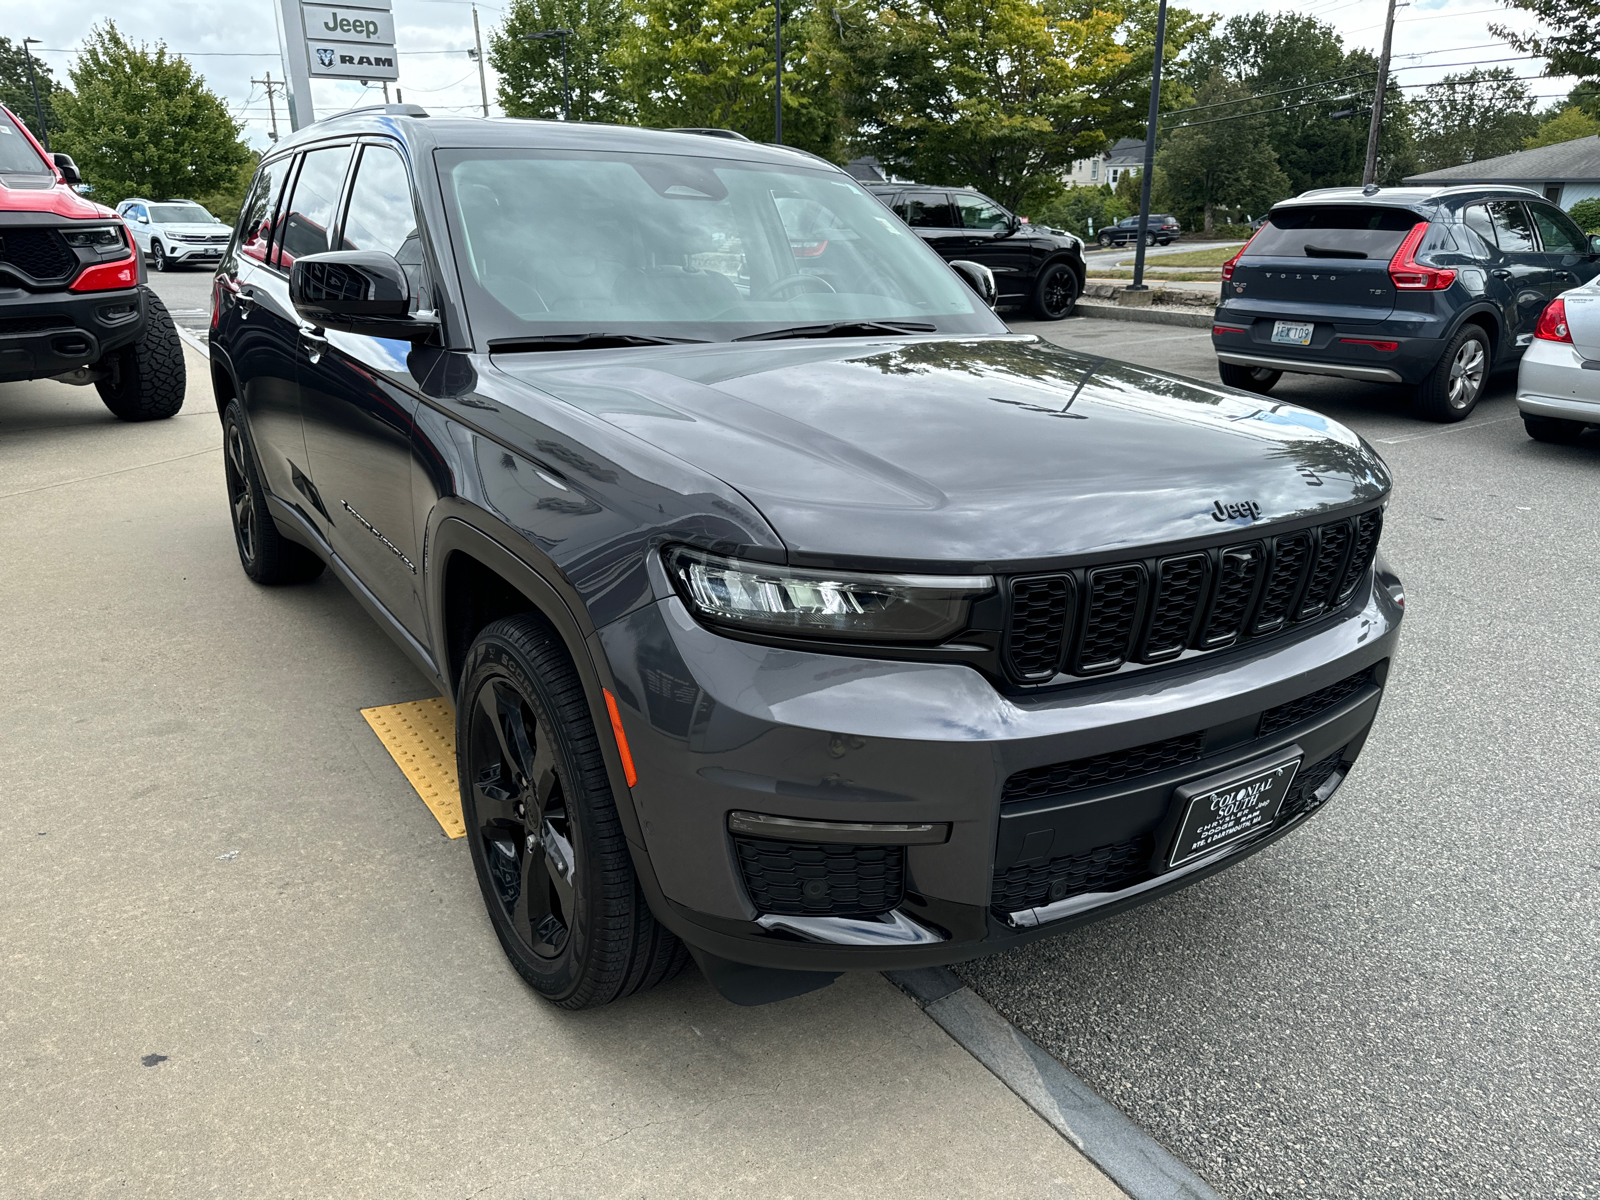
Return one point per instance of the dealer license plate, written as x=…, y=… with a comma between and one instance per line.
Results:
x=1226, y=809
x=1292, y=333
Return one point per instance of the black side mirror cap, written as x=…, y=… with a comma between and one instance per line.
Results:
x=357, y=291
x=68, y=169
x=979, y=278
x=1594, y=243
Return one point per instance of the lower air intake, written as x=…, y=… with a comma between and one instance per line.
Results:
x=800, y=879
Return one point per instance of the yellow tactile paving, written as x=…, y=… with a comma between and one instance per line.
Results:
x=421, y=738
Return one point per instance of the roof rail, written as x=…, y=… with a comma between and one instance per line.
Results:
x=392, y=110
x=731, y=134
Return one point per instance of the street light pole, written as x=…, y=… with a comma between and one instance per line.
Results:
x=566, y=88
x=1370, y=174
x=777, y=34
x=1138, y=284
x=38, y=105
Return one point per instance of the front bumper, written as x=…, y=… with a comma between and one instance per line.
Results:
x=1555, y=380
x=719, y=727
x=44, y=334
x=189, y=252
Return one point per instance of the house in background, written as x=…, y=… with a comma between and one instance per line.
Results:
x=1126, y=157
x=1564, y=173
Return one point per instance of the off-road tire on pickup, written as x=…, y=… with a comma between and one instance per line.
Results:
x=1055, y=292
x=1553, y=429
x=265, y=554
x=537, y=802
x=145, y=381
x=1259, y=380
x=1457, y=382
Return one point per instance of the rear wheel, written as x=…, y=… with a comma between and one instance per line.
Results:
x=1248, y=379
x=265, y=554
x=145, y=381
x=542, y=825
x=1552, y=429
x=1105, y=240
x=1149, y=239
x=1055, y=292
x=1452, y=390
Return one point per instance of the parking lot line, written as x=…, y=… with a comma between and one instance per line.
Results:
x=421, y=738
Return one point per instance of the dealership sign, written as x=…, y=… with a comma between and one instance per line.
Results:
x=322, y=39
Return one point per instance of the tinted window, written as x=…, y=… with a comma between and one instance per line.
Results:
x=1558, y=232
x=976, y=212
x=927, y=210
x=17, y=155
x=1333, y=231
x=1476, y=218
x=309, y=217
x=380, y=216
x=255, y=218
x=1511, y=227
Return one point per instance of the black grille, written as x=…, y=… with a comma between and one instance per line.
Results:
x=1314, y=705
x=33, y=324
x=1109, y=611
x=802, y=879
x=1083, y=773
x=1102, y=869
x=38, y=253
x=1035, y=635
x=1156, y=609
x=1179, y=590
x=1302, y=797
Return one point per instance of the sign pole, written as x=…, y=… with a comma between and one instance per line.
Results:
x=296, y=67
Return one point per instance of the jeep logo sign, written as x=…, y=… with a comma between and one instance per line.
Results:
x=338, y=23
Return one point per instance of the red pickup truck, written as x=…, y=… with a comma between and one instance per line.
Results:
x=73, y=305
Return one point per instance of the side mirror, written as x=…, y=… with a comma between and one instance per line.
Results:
x=977, y=277
x=1594, y=243
x=68, y=169
x=142, y=219
x=356, y=291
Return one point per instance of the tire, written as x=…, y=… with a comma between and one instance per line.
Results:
x=1149, y=239
x=1553, y=429
x=265, y=554
x=558, y=884
x=1105, y=241
x=146, y=380
x=1454, y=386
x=158, y=256
x=1055, y=292
x=1248, y=379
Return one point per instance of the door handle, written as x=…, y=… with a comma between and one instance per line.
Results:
x=314, y=341
x=1500, y=273
x=247, y=302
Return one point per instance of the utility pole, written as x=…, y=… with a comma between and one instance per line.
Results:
x=270, y=83
x=38, y=105
x=777, y=37
x=483, y=85
x=1138, y=284
x=1370, y=175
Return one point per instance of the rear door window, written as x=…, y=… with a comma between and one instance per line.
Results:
x=1350, y=231
x=1512, y=228
x=927, y=210
x=1558, y=233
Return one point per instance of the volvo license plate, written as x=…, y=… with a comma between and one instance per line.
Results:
x=1292, y=333
x=1225, y=809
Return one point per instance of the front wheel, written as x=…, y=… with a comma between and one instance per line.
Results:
x=145, y=381
x=1452, y=389
x=1248, y=379
x=1552, y=429
x=158, y=257
x=1055, y=293
x=542, y=826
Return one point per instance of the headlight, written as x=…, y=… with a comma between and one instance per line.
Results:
x=826, y=604
x=93, y=238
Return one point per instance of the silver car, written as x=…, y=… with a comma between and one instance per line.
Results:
x=173, y=233
x=1558, y=385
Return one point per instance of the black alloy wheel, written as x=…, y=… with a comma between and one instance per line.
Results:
x=158, y=256
x=1055, y=293
x=542, y=825
x=1259, y=380
x=265, y=554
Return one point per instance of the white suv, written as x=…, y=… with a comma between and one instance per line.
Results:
x=173, y=232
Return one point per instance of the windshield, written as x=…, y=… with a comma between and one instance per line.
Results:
x=17, y=155
x=687, y=247
x=181, y=214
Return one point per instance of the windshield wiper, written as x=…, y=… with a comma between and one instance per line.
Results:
x=581, y=341
x=1330, y=252
x=840, y=329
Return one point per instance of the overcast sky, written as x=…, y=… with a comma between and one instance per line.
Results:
x=236, y=41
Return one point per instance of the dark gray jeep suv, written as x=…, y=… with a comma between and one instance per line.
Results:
x=796, y=614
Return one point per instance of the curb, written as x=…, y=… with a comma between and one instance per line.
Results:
x=1135, y=1161
x=1152, y=316
x=194, y=343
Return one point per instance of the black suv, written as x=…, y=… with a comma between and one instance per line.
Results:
x=1161, y=227
x=809, y=618
x=1033, y=266
x=1433, y=287
x=73, y=305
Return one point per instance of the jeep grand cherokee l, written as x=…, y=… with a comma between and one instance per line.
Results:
x=812, y=621
x=72, y=302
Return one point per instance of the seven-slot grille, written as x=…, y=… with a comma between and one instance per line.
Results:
x=1092, y=621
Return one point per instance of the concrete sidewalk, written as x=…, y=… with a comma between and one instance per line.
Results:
x=238, y=957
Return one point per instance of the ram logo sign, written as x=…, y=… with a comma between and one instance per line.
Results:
x=373, y=63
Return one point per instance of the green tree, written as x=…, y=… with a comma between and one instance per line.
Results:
x=16, y=92
x=1079, y=208
x=1587, y=214
x=1220, y=164
x=1568, y=35
x=1566, y=126
x=1473, y=116
x=530, y=72
x=712, y=63
x=142, y=123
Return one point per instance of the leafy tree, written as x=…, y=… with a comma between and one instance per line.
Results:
x=713, y=63
x=142, y=123
x=1129, y=185
x=1220, y=164
x=1587, y=214
x=226, y=200
x=1002, y=95
x=1473, y=116
x=530, y=72
x=16, y=92
x=1569, y=35
x=1077, y=208
x=1568, y=125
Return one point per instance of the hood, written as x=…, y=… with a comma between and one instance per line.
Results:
x=55, y=198
x=980, y=453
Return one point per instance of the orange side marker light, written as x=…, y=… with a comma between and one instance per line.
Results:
x=628, y=772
